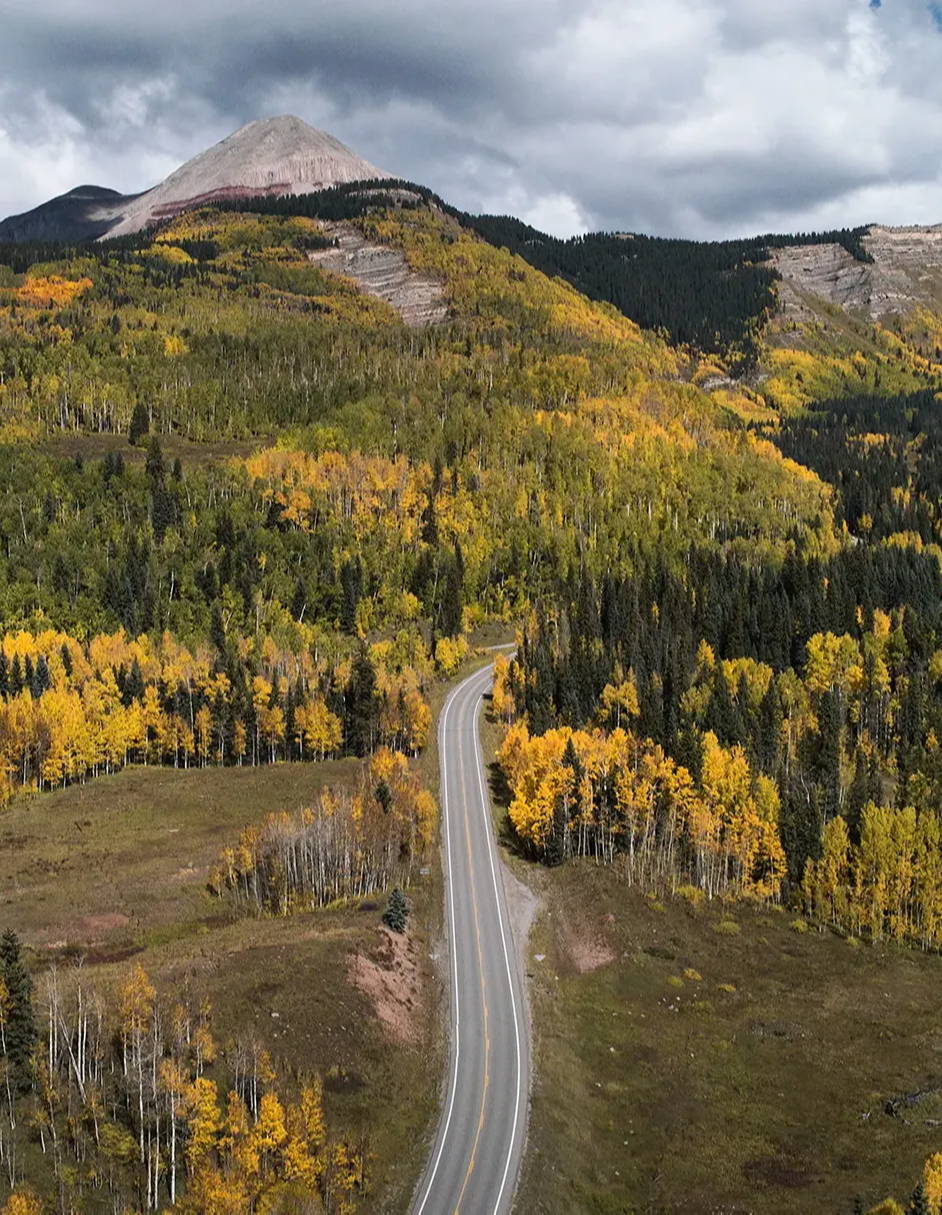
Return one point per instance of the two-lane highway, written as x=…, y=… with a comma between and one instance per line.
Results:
x=476, y=1155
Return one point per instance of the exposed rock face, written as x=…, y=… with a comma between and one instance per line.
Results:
x=273, y=156
x=906, y=272
x=385, y=273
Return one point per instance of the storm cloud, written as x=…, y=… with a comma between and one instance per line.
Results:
x=682, y=117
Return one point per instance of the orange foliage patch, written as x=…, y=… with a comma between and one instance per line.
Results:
x=51, y=292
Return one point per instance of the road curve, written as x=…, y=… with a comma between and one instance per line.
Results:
x=476, y=1156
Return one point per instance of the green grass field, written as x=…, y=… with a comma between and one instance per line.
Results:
x=715, y=1059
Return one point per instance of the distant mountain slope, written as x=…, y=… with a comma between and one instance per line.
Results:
x=281, y=155
x=85, y=213
x=714, y=296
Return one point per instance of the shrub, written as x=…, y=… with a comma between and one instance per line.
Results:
x=692, y=894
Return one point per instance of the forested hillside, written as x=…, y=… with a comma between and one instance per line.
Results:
x=406, y=485
x=773, y=724
x=715, y=296
x=251, y=517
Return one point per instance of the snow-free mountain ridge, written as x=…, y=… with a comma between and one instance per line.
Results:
x=271, y=156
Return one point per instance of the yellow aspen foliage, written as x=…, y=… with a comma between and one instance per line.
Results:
x=932, y=1180
x=210, y=1192
x=299, y=1163
x=721, y=836
x=51, y=291
x=829, y=660
x=269, y=1133
x=347, y=1168
x=136, y=1000
x=174, y=346
x=306, y=1136
x=22, y=1202
x=450, y=653
x=502, y=700
x=311, y=1110
x=204, y=734
x=827, y=880
x=238, y=1141
x=203, y=1047
x=318, y=728
x=619, y=703
x=416, y=721
x=239, y=739
x=204, y=1122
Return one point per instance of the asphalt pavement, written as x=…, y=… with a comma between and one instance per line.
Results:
x=475, y=1159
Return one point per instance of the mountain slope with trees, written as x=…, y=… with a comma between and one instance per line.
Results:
x=286, y=514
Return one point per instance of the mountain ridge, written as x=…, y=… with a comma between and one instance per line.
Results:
x=278, y=155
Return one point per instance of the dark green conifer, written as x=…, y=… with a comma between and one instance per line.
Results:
x=140, y=423
x=396, y=915
x=19, y=1030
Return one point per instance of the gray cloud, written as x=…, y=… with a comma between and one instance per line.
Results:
x=690, y=117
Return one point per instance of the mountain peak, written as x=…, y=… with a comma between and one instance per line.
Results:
x=281, y=155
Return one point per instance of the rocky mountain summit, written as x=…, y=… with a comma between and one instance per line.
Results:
x=272, y=156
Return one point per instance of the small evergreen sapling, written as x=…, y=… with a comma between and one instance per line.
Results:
x=396, y=914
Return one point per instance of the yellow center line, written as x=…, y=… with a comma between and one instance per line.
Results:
x=487, y=1040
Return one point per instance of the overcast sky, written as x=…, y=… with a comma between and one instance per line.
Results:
x=678, y=117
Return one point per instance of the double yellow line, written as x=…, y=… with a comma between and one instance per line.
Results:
x=487, y=1037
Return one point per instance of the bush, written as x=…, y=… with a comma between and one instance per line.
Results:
x=728, y=928
x=692, y=894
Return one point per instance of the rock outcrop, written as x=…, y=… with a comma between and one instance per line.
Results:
x=906, y=272
x=385, y=273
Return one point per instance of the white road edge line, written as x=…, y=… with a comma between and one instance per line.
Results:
x=489, y=828
x=452, y=935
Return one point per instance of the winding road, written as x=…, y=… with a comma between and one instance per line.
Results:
x=479, y=1145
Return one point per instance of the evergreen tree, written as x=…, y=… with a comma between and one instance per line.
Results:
x=20, y=1025
x=362, y=705
x=154, y=463
x=351, y=587
x=396, y=915
x=919, y=1203
x=452, y=596
x=140, y=423
x=383, y=795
